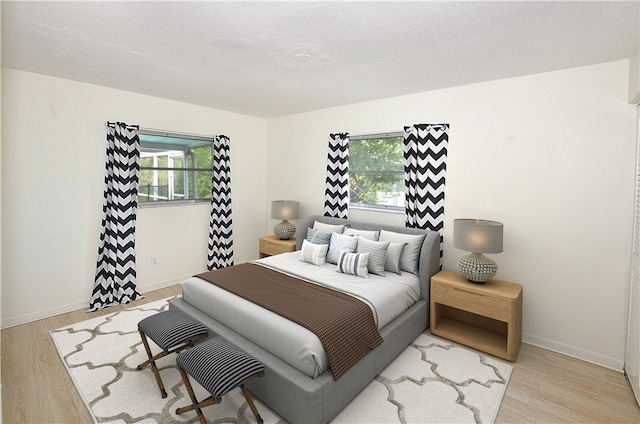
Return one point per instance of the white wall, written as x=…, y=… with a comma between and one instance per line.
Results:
x=550, y=155
x=53, y=146
x=634, y=77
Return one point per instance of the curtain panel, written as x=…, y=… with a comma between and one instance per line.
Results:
x=115, y=278
x=336, y=199
x=425, y=167
x=220, y=248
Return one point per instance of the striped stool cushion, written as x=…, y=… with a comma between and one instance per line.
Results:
x=218, y=366
x=170, y=328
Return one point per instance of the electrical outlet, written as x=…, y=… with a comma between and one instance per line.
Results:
x=154, y=261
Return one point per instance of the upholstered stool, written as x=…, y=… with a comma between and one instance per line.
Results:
x=172, y=331
x=219, y=367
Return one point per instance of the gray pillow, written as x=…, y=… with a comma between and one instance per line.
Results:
x=392, y=263
x=340, y=243
x=410, y=256
x=378, y=254
x=318, y=237
x=368, y=234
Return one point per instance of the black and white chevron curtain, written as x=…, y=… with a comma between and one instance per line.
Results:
x=336, y=197
x=425, y=167
x=220, y=249
x=115, y=279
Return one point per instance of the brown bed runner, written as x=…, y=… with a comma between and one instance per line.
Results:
x=344, y=324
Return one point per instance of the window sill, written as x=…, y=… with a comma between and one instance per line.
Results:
x=150, y=205
x=378, y=209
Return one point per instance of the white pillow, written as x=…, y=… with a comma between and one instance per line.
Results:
x=378, y=254
x=313, y=253
x=410, y=256
x=354, y=264
x=392, y=262
x=338, y=243
x=328, y=228
x=368, y=234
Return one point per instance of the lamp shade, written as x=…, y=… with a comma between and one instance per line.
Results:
x=284, y=209
x=477, y=235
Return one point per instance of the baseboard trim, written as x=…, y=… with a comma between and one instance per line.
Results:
x=574, y=352
x=70, y=307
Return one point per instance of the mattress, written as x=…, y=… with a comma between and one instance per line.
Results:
x=387, y=297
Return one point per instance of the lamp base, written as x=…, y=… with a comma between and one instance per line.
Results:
x=477, y=268
x=284, y=230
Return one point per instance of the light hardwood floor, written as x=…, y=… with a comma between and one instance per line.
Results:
x=545, y=387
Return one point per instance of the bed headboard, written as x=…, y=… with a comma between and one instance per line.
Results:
x=429, y=255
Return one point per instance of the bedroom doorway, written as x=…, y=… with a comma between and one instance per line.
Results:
x=632, y=352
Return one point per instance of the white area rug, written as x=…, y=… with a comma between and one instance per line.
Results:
x=432, y=381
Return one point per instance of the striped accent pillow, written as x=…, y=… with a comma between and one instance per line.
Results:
x=410, y=257
x=353, y=263
x=313, y=253
x=378, y=251
x=218, y=366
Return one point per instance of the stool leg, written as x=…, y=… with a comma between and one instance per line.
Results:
x=151, y=361
x=194, y=401
x=207, y=402
x=247, y=396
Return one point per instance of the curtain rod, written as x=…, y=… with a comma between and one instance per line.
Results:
x=388, y=134
x=378, y=135
x=165, y=133
x=112, y=124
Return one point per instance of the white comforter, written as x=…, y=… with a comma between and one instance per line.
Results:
x=387, y=296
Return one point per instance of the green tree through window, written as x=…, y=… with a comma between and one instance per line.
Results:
x=376, y=171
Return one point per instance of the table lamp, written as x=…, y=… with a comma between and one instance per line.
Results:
x=477, y=236
x=284, y=210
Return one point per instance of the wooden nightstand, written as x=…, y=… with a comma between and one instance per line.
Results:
x=272, y=245
x=487, y=317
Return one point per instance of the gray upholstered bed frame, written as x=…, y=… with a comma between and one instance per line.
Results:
x=301, y=399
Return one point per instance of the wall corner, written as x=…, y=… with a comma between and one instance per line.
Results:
x=634, y=77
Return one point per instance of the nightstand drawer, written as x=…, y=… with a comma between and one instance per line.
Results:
x=267, y=247
x=476, y=303
x=272, y=245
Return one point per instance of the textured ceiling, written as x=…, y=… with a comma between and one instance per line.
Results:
x=270, y=59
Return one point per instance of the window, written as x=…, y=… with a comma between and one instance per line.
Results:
x=376, y=171
x=174, y=168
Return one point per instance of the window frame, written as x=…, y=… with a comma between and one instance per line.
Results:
x=198, y=141
x=376, y=207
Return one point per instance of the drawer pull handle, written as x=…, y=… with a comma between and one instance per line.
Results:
x=468, y=292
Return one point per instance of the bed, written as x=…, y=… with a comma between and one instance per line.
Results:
x=299, y=383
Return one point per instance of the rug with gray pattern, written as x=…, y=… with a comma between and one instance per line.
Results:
x=432, y=381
